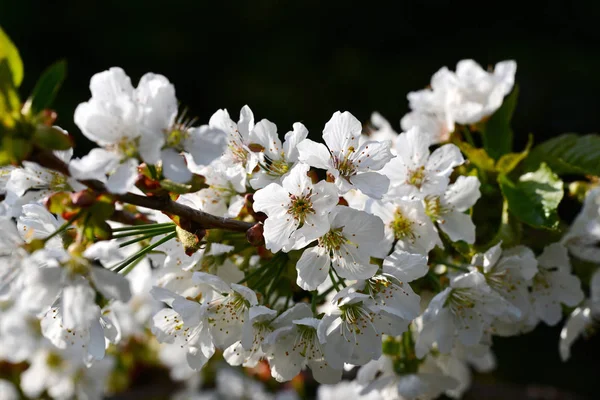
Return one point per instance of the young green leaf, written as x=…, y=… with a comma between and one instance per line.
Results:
x=9, y=52
x=47, y=87
x=509, y=161
x=497, y=133
x=568, y=154
x=534, y=198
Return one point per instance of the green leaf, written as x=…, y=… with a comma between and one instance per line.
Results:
x=13, y=150
x=478, y=157
x=535, y=197
x=47, y=87
x=568, y=154
x=497, y=133
x=508, y=162
x=9, y=52
x=50, y=138
x=9, y=98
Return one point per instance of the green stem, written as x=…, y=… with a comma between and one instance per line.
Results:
x=148, y=236
x=142, y=227
x=333, y=281
x=313, y=301
x=64, y=226
x=468, y=136
x=143, y=252
x=436, y=281
x=275, y=281
x=131, y=266
x=252, y=274
x=156, y=231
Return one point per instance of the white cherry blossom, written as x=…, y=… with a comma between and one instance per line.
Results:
x=276, y=160
x=417, y=173
x=353, y=238
x=448, y=210
x=351, y=164
x=296, y=209
x=581, y=319
x=554, y=284
x=294, y=344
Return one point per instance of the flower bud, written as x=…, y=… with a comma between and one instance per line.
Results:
x=255, y=235
x=192, y=242
x=258, y=216
x=83, y=198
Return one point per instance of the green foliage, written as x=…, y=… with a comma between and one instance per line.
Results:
x=509, y=161
x=497, y=133
x=47, y=87
x=10, y=54
x=568, y=154
x=9, y=98
x=534, y=198
x=50, y=138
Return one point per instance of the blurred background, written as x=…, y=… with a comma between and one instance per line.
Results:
x=303, y=60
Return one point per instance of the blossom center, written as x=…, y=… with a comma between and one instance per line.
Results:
x=460, y=299
x=344, y=164
x=300, y=207
x=176, y=137
x=333, y=240
x=305, y=341
x=417, y=177
x=356, y=315
x=54, y=360
x=434, y=208
x=276, y=168
x=128, y=147
x=401, y=225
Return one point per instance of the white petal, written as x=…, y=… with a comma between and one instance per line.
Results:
x=97, y=345
x=124, y=178
x=443, y=160
x=265, y=134
x=458, y=226
x=277, y=232
x=292, y=140
x=95, y=165
x=312, y=268
x=352, y=263
x=174, y=166
x=342, y=132
x=111, y=284
x=372, y=155
x=206, y=144
x=325, y=197
x=296, y=182
x=78, y=306
x=314, y=154
x=578, y=321
x=406, y=266
x=372, y=184
x=463, y=193
x=273, y=200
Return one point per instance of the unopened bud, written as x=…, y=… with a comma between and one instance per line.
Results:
x=192, y=242
x=258, y=216
x=83, y=198
x=255, y=235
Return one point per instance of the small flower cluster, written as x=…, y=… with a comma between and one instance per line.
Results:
x=360, y=253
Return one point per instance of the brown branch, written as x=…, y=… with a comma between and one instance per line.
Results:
x=208, y=221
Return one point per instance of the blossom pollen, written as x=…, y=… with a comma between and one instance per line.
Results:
x=300, y=207
x=401, y=226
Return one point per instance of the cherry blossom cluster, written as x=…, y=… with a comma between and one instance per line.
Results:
x=355, y=256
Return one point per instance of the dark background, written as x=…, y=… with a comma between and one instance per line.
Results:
x=303, y=60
